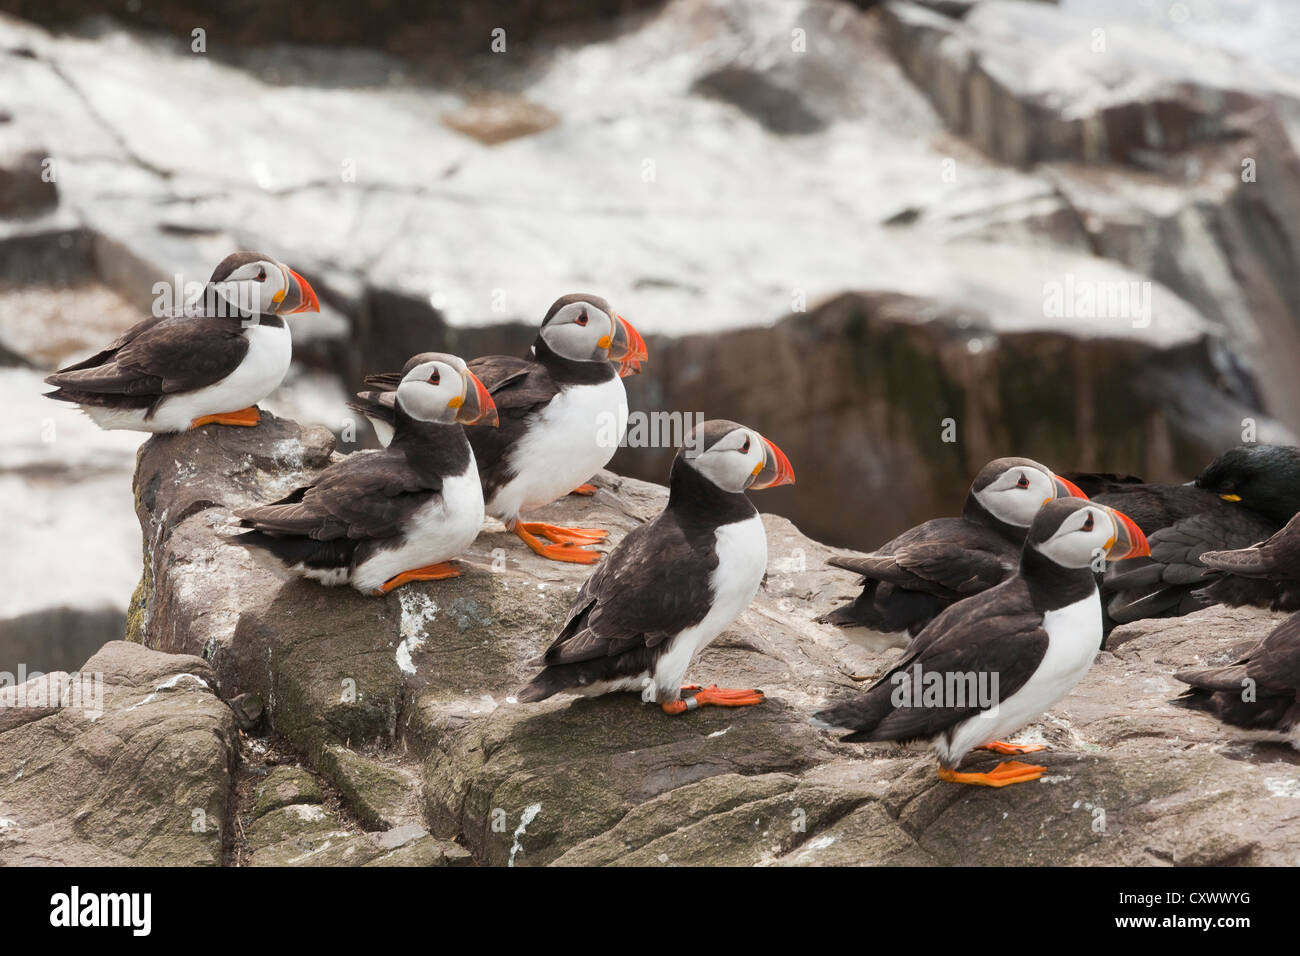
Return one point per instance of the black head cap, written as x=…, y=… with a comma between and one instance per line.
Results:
x=234, y=261
x=572, y=297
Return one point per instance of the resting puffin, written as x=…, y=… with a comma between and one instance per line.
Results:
x=915, y=576
x=377, y=520
x=674, y=583
x=1036, y=634
x=1242, y=497
x=1261, y=691
x=563, y=414
x=210, y=362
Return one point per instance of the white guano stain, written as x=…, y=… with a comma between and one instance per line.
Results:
x=528, y=816
x=168, y=684
x=418, y=611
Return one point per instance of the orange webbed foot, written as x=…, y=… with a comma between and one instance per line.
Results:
x=1011, y=750
x=245, y=418
x=586, y=489
x=430, y=572
x=715, y=696
x=562, y=535
x=1003, y=775
x=569, y=547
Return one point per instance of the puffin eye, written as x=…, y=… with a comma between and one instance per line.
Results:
x=1087, y=522
x=435, y=378
x=582, y=319
x=261, y=274
x=1023, y=482
x=744, y=449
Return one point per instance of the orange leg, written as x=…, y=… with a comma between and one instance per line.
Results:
x=1004, y=774
x=430, y=572
x=246, y=417
x=586, y=488
x=1012, y=750
x=715, y=695
x=569, y=549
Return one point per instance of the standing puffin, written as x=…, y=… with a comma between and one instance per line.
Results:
x=909, y=580
x=1260, y=691
x=563, y=414
x=1023, y=644
x=1242, y=497
x=210, y=362
x=377, y=520
x=674, y=583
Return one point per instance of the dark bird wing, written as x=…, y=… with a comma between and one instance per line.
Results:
x=1165, y=582
x=654, y=585
x=985, y=634
x=367, y=496
x=947, y=557
x=1253, y=562
x=1154, y=507
x=157, y=357
x=1271, y=669
x=519, y=388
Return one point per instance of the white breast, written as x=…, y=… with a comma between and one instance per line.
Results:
x=270, y=349
x=438, y=532
x=742, y=562
x=1073, y=640
x=569, y=441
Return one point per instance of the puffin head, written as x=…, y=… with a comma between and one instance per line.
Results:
x=1071, y=532
x=583, y=328
x=441, y=389
x=1013, y=489
x=259, y=285
x=735, y=458
x=1265, y=478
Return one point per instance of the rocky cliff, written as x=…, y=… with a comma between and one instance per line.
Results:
x=837, y=222
x=258, y=720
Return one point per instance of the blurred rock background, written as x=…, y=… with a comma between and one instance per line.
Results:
x=838, y=222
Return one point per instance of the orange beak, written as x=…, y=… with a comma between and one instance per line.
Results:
x=478, y=408
x=1068, y=489
x=776, y=469
x=307, y=301
x=628, y=349
x=1129, y=542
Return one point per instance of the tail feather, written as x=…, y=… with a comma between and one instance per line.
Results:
x=296, y=550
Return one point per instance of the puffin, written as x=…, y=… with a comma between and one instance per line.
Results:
x=674, y=583
x=209, y=362
x=1241, y=498
x=909, y=580
x=1268, y=572
x=1259, y=691
x=563, y=413
x=989, y=665
x=377, y=520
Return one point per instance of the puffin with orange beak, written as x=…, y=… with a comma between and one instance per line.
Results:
x=991, y=664
x=906, y=582
x=379, y=520
x=209, y=362
x=674, y=583
x=563, y=413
